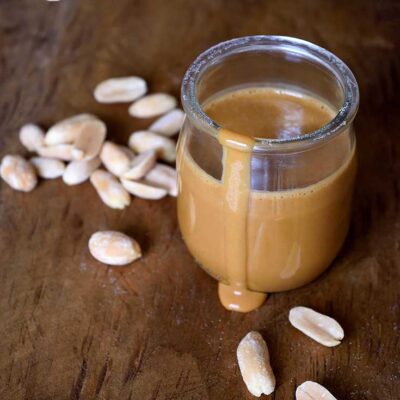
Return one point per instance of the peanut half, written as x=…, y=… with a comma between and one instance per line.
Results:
x=320, y=327
x=169, y=124
x=313, y=391
x=89, y=140
x=120, y=90
x=48, y=168
x=141, y=164
x=114, y=248
x=67, y=130
x=152, y=105
x=77, y=172
x=164, y=176
x=141, y=141
x=109, y=189
x=59, y=151
x=254, y=364
x=144, y=190
x=114, y=158
x=18, y=173
x=31, y=136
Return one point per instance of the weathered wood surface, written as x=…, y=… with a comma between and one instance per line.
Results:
x=71, y=328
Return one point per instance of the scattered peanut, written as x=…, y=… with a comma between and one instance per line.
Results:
x=320, y=327
x=254, y=364
x=114, y=248
x=169, y=124
x=152, y=105
x=164, y=176
x=58, y=151
x=143, y=189
x=141, y=141
x=313, y=391
x=31, y=137
x=109, y=189
x=18, y=173
x=141, y=165
x=120, y=90
x=79, y=171
x=89, y=140
x=48, y=168
x=114, y=158
x=67, y=130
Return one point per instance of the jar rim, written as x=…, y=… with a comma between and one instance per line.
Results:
x=342, y=119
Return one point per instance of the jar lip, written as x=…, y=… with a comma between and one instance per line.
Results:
x=212, y=55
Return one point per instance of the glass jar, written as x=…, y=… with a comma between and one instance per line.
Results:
x=297, y=210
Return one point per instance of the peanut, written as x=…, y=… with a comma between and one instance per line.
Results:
x=18, y=173
x=320, y=327
x=31, y=136
x=140, y=165
x=114, y=158
x=141, y=141
x=164, y=176
x=169, y=124
x=67, y=130
x=109, y=189
x=152, y=105
x=114, y=248
x=58, y=151
x=120, y=90
x=143, y=189
x=313, y=391
x=89, y=139
x=48, y=168
x=253, y=357
x=79, y=171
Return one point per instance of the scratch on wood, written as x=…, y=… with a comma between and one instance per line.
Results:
x=86, y=344
x=34, y=226
x=78, y=386
x=156, y=392
x=66, y=209
x=11, y=294
x=38, y=294
x=125, y=283
x=218, y=354
x=137, y=361
x=178, y=382
x=102, y=377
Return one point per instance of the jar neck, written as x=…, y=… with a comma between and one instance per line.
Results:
x=272, y=60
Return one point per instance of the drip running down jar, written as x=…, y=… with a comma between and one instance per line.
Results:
x=266, y=164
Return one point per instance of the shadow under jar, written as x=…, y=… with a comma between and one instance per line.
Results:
x=266, y=164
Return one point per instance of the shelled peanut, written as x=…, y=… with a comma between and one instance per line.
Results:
x=80, y=140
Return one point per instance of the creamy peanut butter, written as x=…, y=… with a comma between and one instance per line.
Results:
x=260, y=241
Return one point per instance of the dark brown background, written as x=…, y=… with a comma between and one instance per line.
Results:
x=71, y=328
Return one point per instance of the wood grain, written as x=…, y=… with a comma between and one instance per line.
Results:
x=71, y=328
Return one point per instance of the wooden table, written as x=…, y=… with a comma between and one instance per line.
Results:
x=72, y=328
